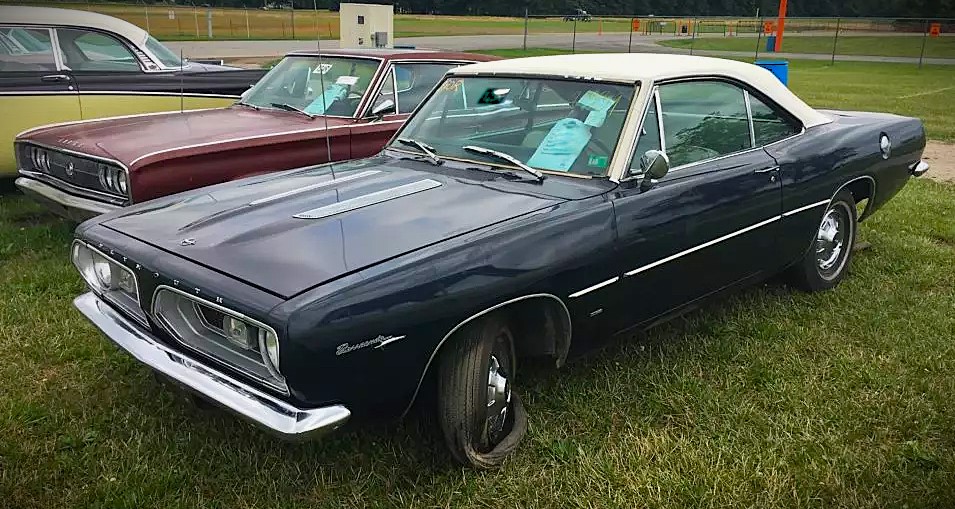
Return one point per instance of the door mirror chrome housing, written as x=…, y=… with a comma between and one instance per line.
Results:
x=654, y=165
x=385, y=107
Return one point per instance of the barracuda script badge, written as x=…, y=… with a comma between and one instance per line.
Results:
x=378, y=342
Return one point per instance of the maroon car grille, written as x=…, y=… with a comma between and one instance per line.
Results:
x=67, y=170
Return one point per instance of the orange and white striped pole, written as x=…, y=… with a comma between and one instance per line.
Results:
x=782, y=25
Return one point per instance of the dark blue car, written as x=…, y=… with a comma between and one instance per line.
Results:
x=527, y=208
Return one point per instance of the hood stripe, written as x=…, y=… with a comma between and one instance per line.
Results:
x=319, y=185
x=368, y=199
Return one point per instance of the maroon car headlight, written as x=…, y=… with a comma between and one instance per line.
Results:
x=113, y=179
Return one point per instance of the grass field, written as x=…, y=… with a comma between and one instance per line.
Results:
x=894, y=46
x=774, y=398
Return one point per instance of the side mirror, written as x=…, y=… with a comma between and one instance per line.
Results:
x=383, y=108
x=654, y=165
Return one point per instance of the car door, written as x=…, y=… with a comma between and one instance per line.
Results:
x=34, y=91
x=712, y=220
x=406, y=84
x=114, y=78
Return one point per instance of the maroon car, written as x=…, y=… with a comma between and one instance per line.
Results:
x=354, y=99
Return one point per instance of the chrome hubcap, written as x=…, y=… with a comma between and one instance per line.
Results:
x=498, y=399
x=831, y=242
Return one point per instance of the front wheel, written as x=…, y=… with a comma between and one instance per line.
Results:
x=827, y=262
x=480, y=415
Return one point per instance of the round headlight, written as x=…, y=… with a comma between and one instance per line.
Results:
x=102, y=270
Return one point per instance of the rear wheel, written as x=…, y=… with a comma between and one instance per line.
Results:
x=827, y=262
x=480, y=415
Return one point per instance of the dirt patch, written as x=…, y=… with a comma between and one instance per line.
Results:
x=941, y=157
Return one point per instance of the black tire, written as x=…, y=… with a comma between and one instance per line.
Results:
x=474, y=432
x=826, y=263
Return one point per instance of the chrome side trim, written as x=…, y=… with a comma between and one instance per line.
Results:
x=313, y=187
x=368, y=199
x=805, y=208
x=701, y=246
x=254, y=137
x=272, y=414
x=478, y=315
x=87, y=121
x=749, y=117
x=594, y=288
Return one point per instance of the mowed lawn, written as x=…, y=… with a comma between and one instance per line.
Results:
x=771, y=398
x=888, y=46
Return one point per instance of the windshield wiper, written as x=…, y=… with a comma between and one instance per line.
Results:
x=424, y=147
x=289, y=107
x=505, y=157
x=247, y=105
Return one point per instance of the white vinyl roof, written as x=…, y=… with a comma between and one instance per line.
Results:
x=21, y=15
x=649, y=68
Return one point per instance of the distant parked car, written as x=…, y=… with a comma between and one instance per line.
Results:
x=579, y=15
x=526, y=209
x=86, y=168
x=61, y=65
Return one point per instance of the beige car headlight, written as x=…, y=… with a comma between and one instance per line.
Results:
x=108, y=278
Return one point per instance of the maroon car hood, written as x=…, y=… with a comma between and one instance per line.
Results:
x=141, y=139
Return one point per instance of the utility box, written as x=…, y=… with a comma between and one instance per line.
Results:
x=366, y=26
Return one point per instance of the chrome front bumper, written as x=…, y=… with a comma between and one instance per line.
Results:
x=268, y=412
x=63, y=204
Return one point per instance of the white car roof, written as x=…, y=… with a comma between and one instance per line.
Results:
x=21, y=15
x=648, y=68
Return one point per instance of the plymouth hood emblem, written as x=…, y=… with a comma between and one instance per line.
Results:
x=187, y=242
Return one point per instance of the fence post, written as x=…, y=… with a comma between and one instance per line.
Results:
x=179, y=24
x=836, y=40
x=195, y=14
x=293, y=20
x=630, y=42
x=525, y=30
x=146, y=8
x=248, y=33
x=209, y=23
x=283, y=29
x=759, y=36
x=924, y=40
x=231, y=28
x=696, y=26
x=573, y=43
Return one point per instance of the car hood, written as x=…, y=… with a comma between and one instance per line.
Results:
x=140, y=140
x=291, y=231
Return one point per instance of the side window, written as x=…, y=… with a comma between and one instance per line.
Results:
x=25, y=50
x=649, y=136
x=415, y=81
x=703, y=120
x=768, y=125
x=92, y=51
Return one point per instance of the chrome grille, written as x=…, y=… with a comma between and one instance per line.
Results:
x=85, y=173
x=205, y=327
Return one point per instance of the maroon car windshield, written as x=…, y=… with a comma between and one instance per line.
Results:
x=327, y=85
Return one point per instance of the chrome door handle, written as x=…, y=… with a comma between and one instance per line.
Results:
x=768, y=170
x=55, y=78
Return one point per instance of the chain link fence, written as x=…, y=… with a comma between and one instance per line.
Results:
x=903, y=40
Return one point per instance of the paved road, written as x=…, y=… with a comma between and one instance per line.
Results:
x=610, y=42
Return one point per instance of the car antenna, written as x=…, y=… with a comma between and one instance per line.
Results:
x=321, y=78
x=182, y=97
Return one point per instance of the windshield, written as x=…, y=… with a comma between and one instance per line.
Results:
x=549, y=124
x=164, y=54
x=332, y=86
